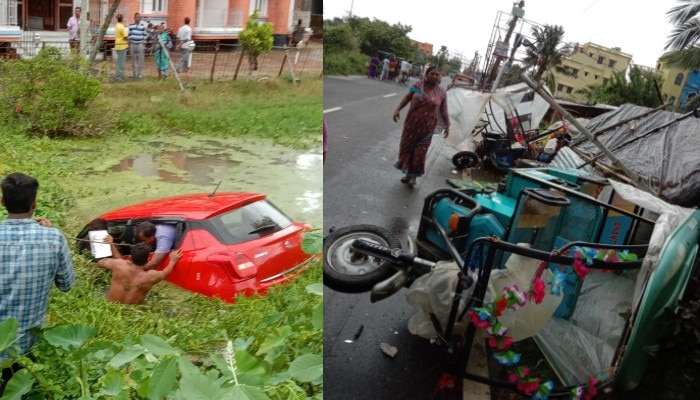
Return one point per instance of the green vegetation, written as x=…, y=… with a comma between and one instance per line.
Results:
x=46, y=95
x=256, y=38
x=349, y=44
x=177, y=342
x=638, y=88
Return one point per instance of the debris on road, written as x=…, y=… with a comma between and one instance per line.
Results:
x=388, y=349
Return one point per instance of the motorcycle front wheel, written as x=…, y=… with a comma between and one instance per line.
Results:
x=350, y=271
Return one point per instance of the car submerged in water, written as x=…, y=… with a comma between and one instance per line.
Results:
x=232, y=243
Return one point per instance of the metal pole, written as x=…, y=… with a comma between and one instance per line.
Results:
x=615, y=161
x=84, y=25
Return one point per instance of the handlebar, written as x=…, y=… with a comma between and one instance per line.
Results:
x=396, y=256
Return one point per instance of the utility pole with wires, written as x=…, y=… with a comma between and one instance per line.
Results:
x=517, y=12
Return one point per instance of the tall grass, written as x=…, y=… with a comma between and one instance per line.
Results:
x=345, y=63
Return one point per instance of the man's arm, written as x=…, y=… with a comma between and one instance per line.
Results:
x=106, y=263
x=155, y=261
x=175, y=255
x=115, y=251
x=65, y=274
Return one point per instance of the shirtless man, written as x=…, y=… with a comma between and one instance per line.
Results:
x=130, y=282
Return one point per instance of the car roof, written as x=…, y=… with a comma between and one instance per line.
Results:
x=191, y=206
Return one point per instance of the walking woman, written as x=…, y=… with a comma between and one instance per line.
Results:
x=428, y=104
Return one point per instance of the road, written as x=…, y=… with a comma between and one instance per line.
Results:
x=362, y=186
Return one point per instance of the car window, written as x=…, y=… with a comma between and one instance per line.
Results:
x=250, y=222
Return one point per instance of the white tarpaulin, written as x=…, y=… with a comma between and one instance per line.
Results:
x=467, y=107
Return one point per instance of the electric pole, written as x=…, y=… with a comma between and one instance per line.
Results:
x=518, y=12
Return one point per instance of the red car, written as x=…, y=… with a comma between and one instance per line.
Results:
x=232, y=243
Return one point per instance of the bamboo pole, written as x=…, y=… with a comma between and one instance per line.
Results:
x=170, y=62
x=638, y=181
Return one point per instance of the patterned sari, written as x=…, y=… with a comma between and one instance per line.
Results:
x=428, y=104
x=159, y=56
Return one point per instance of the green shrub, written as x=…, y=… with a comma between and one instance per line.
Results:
x=47, y=95
x=345, y=63
x=338, y=39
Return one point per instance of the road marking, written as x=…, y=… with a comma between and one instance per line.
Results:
x=332, y=109
x=389, y=95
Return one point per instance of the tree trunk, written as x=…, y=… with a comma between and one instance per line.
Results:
x=101, y=35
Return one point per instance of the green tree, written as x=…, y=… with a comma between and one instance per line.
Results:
x=684, y=37
x=338, y=38
x=512, y=76
x=638, y=88
x=256, y=39
x=377, y=35
x=547, y=52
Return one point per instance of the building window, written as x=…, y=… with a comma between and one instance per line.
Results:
x=605, y=81
x=595, y=77
x=672, y=100
x=679, y=80
x=585, y=73
x=574, y=72
x=568, y=89
x=217, y=14
x=611, y=64
x=260, y=5
x=560, y=87
x=154, y=6
x=590, y=55
x=600, y=59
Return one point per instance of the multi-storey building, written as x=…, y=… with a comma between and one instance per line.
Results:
x=210, y=19
x=589, y=65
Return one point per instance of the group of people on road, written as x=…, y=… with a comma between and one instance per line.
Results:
x=134, y=39
x=389, y=69
x=34, y=256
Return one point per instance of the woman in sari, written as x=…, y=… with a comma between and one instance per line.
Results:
x=428, y=104
x=159, y=53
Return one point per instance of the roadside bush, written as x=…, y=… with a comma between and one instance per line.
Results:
x=345, y=63
x=338, y=39
x=47, y=95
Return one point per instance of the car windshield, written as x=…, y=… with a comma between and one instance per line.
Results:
x=250, y=222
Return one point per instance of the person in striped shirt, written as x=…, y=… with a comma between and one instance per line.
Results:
x=137, y=45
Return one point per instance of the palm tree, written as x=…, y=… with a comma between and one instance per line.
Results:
x=685, y=37
x=547, y=51
x=638, y=88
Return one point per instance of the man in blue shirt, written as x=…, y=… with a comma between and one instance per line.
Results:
x=137, y=45
x=33, y=256
x=162, y=236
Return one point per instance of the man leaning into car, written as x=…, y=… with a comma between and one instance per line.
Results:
x=161, y=235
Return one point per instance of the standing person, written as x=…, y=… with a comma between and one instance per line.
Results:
x=428, y=101
x=137, y=46
x=385, y=69
x=130, y=282
x=74, y=31
x=121, y=44
x=373, y=64
x=33, y=256
x=162, y=45
x=184, y=37
x=298, y=35
x=393, y=68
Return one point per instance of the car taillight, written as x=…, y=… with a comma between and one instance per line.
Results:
x=235, y=264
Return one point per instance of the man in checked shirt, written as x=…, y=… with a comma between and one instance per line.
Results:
x=33, y=256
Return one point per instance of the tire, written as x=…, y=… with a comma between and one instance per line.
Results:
x=348, y=271
x=465, y=159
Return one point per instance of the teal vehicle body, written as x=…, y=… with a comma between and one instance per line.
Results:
x=595, y=213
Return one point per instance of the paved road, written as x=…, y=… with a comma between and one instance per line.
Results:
x=362, y=186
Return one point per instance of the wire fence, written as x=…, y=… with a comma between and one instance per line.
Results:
x=212, y=60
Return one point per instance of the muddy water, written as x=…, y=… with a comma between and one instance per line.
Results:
x=172, y=165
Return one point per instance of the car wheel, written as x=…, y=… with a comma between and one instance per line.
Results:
x=465, y=159
x=350, y=271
